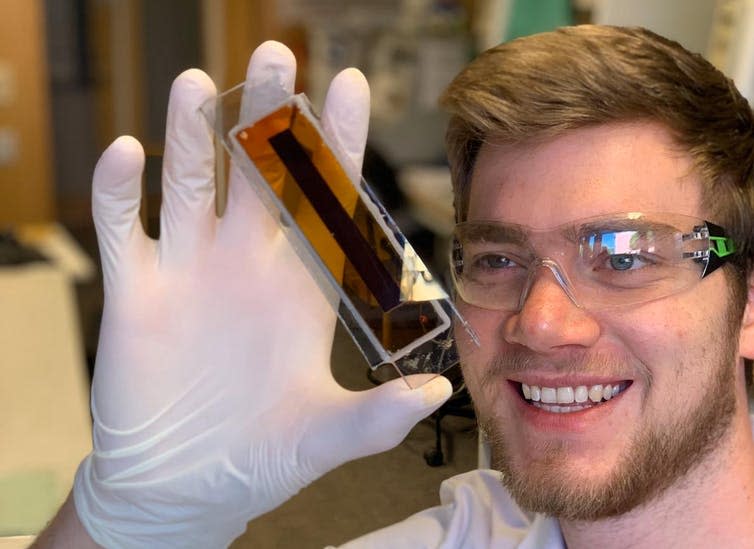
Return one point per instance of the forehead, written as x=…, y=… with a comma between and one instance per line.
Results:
x=584, y=173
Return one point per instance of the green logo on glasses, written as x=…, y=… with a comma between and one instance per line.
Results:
x=721, y=246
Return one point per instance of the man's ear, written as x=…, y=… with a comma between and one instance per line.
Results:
x=746, y=342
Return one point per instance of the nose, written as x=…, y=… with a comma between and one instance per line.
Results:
x=549, y=317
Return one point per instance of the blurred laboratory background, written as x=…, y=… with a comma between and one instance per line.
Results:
x=75, y=74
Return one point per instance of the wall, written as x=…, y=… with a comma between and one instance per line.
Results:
x=686, y=21
x=26, y=193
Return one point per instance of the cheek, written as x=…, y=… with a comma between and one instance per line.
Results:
x=663, y=338
x=487, y=325
x=475, y=359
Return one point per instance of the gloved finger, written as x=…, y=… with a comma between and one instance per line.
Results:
x=116, y=196
x=345, y=117
x=270, y=79
x=368, y=422
x=188, y=192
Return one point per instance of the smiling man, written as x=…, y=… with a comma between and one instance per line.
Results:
x=603, y=180
x=603, y=253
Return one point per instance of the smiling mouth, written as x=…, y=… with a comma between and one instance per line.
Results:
x=568, y=399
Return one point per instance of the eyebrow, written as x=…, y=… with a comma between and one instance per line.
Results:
x=473, y=231
x=492, y=231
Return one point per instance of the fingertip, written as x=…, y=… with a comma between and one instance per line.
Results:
x=126, y=144
x=270, y=79
x=345, y=117
x=272, y=62
x=194, y=84
x=436, y=391
x=116, y=184
x=433, y=389
x=121, y=161
x=192, y=90
x=195, y=75
x=349, y=85
x=116, y=196
x=273, y=47
x=426, y=390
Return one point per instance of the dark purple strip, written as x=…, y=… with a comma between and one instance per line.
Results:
x=336, y=219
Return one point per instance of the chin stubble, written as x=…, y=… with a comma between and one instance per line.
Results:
x=655, y=459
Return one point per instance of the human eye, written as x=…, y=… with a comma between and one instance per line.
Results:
x=493, y=262
x=622, y=251
x=492, y=265
x=628, y=270
x=627, y=262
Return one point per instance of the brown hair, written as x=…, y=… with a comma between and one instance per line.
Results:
x=537, y=87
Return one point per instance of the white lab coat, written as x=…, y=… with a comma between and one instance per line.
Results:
x=476, y=512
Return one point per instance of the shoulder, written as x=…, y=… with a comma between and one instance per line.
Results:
x=475, y=511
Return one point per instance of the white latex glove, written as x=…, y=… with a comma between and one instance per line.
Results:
x=213, y=400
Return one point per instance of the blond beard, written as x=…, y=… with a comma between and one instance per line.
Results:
x=654, y=460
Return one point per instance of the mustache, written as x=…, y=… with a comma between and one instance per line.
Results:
x=578, y=362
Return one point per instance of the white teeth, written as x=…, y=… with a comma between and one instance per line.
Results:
x=559, y=409
x=549, y=395
x=595, y=393
x=565, y=395
x=569, y=395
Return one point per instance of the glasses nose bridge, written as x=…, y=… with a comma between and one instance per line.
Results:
x=558, y=273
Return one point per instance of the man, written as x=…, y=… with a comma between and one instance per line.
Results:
x=604, y=256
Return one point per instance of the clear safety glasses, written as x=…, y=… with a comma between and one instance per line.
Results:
x=601, y=262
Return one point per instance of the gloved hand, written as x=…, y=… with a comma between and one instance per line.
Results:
x=212, y=398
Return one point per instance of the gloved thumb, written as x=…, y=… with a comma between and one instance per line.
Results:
x=376, y=420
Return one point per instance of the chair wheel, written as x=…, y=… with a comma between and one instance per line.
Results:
x=434, y=457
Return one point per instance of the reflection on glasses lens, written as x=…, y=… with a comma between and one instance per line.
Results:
x=600, y=262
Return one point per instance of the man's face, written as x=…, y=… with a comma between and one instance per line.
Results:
x=673, y=357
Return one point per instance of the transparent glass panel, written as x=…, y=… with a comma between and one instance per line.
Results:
x=394, y=308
